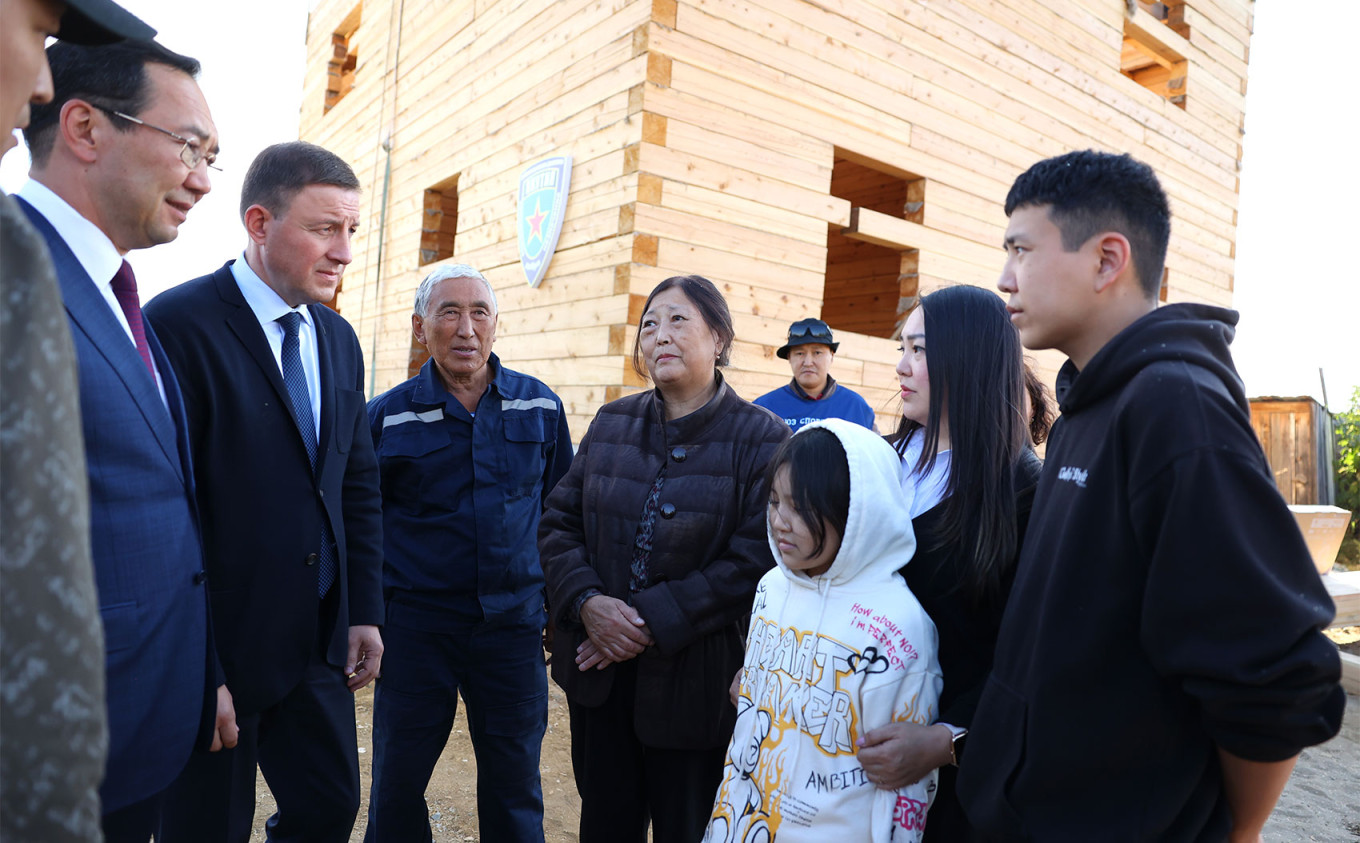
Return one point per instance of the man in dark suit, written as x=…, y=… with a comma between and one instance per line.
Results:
x=288, y=494
x=104, y=183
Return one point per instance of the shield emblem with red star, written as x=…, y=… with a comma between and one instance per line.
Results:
x=543, y=189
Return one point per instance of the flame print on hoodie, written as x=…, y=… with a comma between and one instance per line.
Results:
x=827, y=659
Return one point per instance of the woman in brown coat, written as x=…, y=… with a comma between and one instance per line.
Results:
x=652, y=546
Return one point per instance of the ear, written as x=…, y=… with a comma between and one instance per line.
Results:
x=79, y=130
x=257, y=219
x=1115, y=257
x=717, y=345
x=418, y=328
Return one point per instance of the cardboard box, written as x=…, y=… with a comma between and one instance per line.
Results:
x=1323, y=529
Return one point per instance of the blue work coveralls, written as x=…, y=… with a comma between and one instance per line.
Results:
x=462, y=494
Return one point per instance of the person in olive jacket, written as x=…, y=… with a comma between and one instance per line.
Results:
x=652, y=545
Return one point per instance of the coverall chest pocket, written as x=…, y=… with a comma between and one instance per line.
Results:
x=527, y=438
x=405, y=456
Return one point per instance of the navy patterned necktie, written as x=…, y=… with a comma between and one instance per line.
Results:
x=296, y=380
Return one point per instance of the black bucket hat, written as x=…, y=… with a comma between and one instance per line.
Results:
x=807, y=332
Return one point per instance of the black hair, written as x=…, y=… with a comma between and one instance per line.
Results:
x=280, y=171
x=1089, y=192
x=112, y=76
x=712, y=306
x=1040, y=407
x=819, y=480
x=975, y=366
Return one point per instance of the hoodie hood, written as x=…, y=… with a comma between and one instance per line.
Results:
x=878, y=533
x=1198, y=334
x=828, y=659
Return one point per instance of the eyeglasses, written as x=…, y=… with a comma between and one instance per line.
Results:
x=191, y=153
x=820, y=331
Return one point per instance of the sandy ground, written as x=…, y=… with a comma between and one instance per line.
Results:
x=1321, y=803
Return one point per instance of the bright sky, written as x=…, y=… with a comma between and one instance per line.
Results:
x=1300, y=303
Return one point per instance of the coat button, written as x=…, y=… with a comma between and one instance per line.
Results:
x=668, y=510
x=311, y=559
x=200, y=578
x=678, y=454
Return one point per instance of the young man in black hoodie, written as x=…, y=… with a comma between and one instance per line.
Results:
x=1161, y=661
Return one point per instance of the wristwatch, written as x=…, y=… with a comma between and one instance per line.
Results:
x=955, y=743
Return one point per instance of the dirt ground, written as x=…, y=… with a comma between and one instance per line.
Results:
x=452, y=794
x=1321, y=803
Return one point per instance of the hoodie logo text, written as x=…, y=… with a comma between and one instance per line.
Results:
x=1072, y=474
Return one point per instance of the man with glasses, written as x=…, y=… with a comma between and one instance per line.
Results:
x=813, y=394
x=100, y=186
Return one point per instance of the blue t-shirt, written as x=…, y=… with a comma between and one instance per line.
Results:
x=791, y=404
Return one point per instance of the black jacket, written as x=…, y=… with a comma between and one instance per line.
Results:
x=708, y=554
x=968, y=630
x=1165, y=606
x=260, y=503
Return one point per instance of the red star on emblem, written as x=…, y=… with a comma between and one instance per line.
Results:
x=536, y=221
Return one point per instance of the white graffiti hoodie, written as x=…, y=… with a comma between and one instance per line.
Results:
x=827, y=659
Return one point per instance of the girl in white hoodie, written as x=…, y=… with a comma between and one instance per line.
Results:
x=837, y=646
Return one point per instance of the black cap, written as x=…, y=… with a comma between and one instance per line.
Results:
x=93, y=22
x=806, y=332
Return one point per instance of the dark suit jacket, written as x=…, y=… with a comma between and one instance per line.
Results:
x=144, y=533
x=261, y=505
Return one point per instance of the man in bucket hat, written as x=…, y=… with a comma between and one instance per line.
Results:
x=813, y=394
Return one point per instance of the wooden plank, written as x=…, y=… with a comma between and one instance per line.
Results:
x=740, y=240
x=1344, y=588
x=723, y=207
x=705, y=172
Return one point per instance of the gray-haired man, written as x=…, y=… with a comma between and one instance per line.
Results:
x=467, y=451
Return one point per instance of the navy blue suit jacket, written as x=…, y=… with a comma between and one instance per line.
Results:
x=148, y=560
x=261, y=504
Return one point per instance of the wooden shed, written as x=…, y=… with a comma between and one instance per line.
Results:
x=1296, y=434
x=830, y=158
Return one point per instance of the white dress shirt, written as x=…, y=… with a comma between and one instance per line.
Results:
x=93, y=249
x=928, y=489
x=268, y=307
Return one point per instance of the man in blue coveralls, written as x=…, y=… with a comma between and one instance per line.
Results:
x=467, y=450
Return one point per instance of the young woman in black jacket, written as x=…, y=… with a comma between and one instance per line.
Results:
x=970, y=469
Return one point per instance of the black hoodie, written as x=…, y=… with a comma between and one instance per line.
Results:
x=1164, y=605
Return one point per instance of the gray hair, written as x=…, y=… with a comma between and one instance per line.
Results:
x=444, y=273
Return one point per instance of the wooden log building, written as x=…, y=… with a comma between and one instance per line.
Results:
x=829, y=158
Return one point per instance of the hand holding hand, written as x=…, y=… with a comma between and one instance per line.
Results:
x=588, y=656
x=616, y=629
x=900, y=753
x=364, y=662
x=225, y=732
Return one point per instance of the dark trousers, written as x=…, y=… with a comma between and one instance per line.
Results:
x=133, y=823
x=306, y=746
x=499, y=672
x=624, y=785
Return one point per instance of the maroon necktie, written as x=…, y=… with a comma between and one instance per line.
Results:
x=125, y=290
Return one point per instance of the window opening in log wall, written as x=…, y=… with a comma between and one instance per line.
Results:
x=1147, y=59
x=870, y=288
x=438, y=227
x=344, y=59
x=439, y=222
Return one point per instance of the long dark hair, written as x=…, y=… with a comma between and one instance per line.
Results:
x=819, y=481
x=976, y=371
